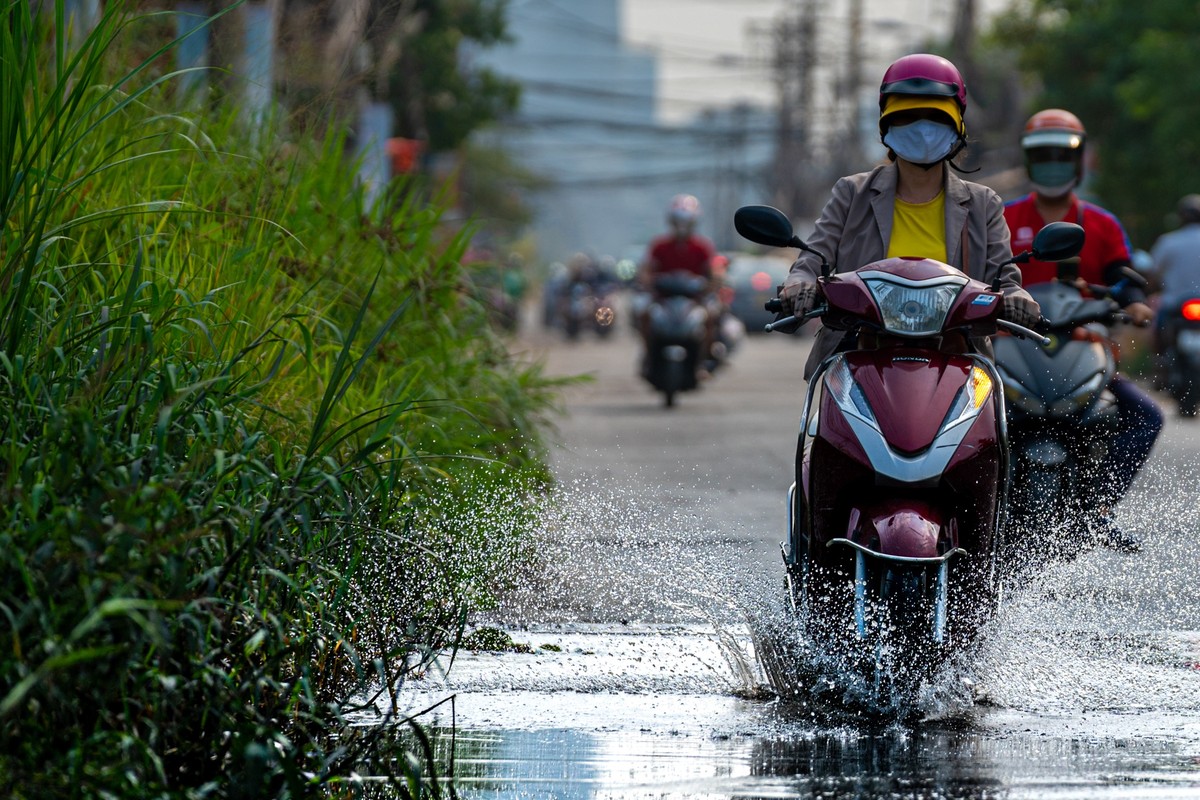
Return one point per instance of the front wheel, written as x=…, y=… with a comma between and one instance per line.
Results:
x=905, y=618
x=571, y=327
x=672, y=380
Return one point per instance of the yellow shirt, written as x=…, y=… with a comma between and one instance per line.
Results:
x=919, y=229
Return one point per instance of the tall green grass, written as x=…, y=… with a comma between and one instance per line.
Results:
x=259, y=452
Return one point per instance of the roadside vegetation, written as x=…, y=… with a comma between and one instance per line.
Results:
x=1132, y=74
x=259, y=452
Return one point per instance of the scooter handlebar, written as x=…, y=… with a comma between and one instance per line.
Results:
x=1023, y=332
x=792, y=323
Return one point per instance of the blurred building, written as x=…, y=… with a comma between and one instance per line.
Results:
x=588, y=124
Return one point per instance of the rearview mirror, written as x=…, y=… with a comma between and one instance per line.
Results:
x=764, y=225
x=1058, y=241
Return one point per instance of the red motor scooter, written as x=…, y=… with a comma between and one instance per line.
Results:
x=902, y=460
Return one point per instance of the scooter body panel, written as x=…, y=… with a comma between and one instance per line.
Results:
x=910, y=501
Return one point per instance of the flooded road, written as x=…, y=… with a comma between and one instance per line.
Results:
x=639, y=677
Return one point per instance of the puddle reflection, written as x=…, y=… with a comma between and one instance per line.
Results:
x=574, y=764
x=949, y=764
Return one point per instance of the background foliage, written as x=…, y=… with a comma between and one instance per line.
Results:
x=437, y=96
x=1131, y=72
x=259, y=455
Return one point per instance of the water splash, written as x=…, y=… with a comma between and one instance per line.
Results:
x=682, y=610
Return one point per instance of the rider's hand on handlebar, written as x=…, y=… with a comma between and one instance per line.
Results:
x=1021, y=309
x=1139, y=314
x=799, y=298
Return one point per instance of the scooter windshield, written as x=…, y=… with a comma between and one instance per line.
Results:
x=913, y=308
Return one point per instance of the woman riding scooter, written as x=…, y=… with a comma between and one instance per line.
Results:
x=914, y=205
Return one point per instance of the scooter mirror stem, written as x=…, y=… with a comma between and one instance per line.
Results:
x=797, y=242
x=1019, y=258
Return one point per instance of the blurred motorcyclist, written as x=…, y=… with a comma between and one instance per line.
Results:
x=1175, y=266
x=913, y=206
x=1176, y=257
x=1053, y=142
x=585, y=287
x=681, y=249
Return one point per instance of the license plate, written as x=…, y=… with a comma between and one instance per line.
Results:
x=1188, y=340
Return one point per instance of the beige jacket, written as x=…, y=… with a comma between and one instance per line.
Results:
x=855, y=228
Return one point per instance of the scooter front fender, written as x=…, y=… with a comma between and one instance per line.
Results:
x=902, y=528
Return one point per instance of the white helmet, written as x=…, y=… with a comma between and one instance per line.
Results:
x=684, y=210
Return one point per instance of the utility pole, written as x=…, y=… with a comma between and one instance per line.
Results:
x=962, y=49
x=795, y=60
x=963, y=40
x=729, y=172
x=850, y=153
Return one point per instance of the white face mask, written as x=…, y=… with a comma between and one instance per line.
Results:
x=922, y=142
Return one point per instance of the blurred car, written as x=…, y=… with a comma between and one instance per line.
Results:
x=752, y=281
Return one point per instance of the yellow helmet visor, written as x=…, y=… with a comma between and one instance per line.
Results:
x=906, y=102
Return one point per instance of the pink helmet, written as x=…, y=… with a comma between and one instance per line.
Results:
x=923, y=74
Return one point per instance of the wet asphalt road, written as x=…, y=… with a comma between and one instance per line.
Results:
x=723, y=455
x=666, y=542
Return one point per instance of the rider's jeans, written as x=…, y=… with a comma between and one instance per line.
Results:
x=1140, y=422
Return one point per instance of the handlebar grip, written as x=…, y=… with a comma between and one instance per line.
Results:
x=792, y=324
x=1023, y=332
x=774, y=305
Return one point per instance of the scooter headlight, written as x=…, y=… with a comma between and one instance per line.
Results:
x=846, y=392
x=913, y=310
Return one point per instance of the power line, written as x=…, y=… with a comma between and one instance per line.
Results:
x=580, y=90
x=741, y=73
x=708, y=132
x=649, y=179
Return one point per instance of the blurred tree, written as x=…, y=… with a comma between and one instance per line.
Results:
x=439, y=95
x=1131, y=72
x=495, y=188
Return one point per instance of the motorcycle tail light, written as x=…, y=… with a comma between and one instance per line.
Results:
x=761, y=282
x=908, y=310
x=1191, y=310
